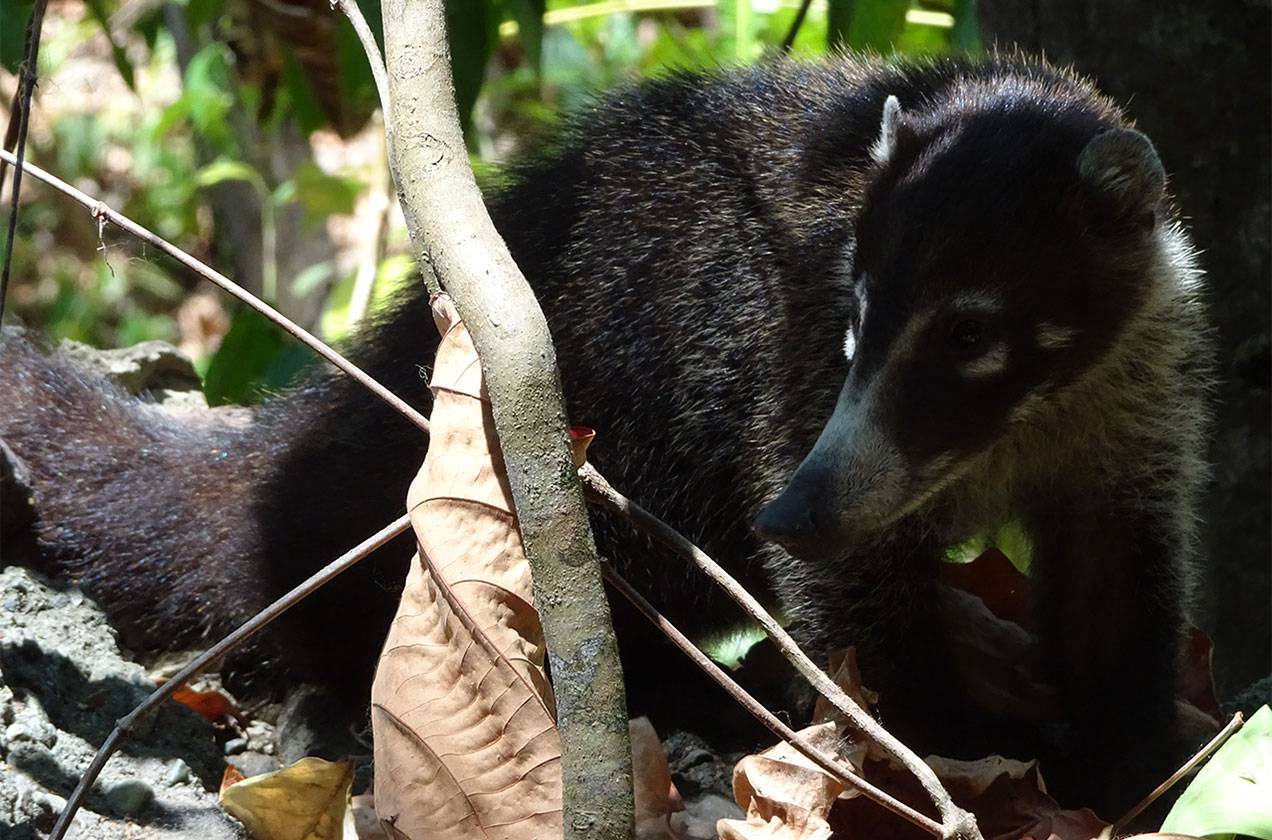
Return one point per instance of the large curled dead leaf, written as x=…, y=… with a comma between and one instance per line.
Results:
x=786, y=795
x=465, y=739
x=308, y=800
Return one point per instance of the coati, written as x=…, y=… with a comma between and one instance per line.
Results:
x=880, y=305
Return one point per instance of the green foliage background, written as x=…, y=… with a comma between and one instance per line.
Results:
x=203, y=94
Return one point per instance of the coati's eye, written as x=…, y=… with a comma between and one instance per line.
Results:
x=967, y=335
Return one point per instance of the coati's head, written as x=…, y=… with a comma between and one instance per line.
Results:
x=1006, y=238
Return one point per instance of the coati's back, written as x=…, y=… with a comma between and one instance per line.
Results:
x=693, y=242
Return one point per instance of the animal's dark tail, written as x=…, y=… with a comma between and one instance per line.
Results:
x=184, y=525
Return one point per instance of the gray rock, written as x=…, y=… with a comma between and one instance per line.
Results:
x=698, y=820
x=695, y=769
x=48, y=802
x=178, y=773
x=261, y=737
x=32, y=731
x=313, y=722
x=129, y=797
x=152, y=366
x=252, y=763
x=234, y=746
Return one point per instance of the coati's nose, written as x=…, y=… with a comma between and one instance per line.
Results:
x=787, y=521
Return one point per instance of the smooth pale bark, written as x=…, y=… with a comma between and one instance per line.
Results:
x=453, y=237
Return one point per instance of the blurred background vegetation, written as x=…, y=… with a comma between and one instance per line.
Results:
x=246, y=132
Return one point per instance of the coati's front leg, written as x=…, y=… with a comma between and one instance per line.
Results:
x=883, y=598
x=1110, y=600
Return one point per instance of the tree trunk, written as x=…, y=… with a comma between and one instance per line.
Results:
x=1195, y=76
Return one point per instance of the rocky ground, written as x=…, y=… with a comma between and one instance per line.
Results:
x=63, y=683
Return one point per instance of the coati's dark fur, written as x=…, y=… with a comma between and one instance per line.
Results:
x=691, y=241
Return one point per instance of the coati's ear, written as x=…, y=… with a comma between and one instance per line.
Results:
x=883, y=148
x=1123, y=171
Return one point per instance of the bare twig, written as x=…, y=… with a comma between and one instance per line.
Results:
x=835, y=768
x=789, y=40
x=125, y=725
x=372, y=50
x=102, y=212
x=26, y=86
x=1202, y=754
x=955, y=821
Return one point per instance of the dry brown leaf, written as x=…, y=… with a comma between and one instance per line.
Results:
x=656, y=796
x=307, y=801
x=465, y=738
x=581, y=438
x=1007, y=796
x=847, y=675
x=1083, y=824
x=785, y=795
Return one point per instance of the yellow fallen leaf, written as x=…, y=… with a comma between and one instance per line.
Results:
x=466, y=744
x=307, y=801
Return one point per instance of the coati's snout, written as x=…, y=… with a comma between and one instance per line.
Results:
x=853, y=482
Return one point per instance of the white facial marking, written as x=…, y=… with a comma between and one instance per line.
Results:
x=991, y=363
x=1053, y=336
x=983, y=301
x=850, y=344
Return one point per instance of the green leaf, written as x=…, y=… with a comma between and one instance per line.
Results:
x=838, y=20
x=876, y=24
x=1233, y=793
x=310, y=278
x=98, y=10
x=14, y=15
x=740, y=24
x=359, y=97
x=208, y=96
x=229, y=170
x=529, y=17
x=472, y=28
x=300, y=95
x=921, y=40
x=200, y=13
x=321, y=195
x=254, y=356
x=965, y=36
